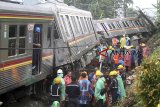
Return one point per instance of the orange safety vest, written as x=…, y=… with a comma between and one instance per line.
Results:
x=115, y=58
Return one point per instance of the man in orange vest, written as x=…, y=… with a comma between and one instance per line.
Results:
x=115, y=59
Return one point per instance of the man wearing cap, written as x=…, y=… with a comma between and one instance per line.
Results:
x=100, y=89
x=121, y=90
x=62, y=85
x=113, y=86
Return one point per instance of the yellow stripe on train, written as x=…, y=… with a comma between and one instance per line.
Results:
x=22, y=64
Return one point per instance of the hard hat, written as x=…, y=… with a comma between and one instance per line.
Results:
x=59, y=71
x=120, y=67
x=57, y=80
x=112, y=73
x=110, y=47
x=143, y=44
x=127, y=47
x=98, y=73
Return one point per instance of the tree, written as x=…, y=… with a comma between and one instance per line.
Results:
x=100, y=8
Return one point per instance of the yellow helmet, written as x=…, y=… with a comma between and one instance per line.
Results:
x=112, y=73
x=98, y=73
x=120, y=67
x=110, y=47
x=143, y=44
x=57, y=80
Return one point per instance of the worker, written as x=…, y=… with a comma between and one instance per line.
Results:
x=114, y=42
x=62, y=85
x=73, y=92
x=109, y=55
x=128, y=41
x=140, y=54
x=122, y=44
x=133, y=57
x=100, y=89
x=120, y=69
x=123, y=41
x=86, y=91
x=127, y=59
x=145, y=50
x=67, y=78
x=55, y=92
x=115, y=59
x=113, y=86
x=121, y=90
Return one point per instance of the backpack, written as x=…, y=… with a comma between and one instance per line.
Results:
x=55, y=90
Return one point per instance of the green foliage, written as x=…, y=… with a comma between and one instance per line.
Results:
x=100, y=8
x=148, y=81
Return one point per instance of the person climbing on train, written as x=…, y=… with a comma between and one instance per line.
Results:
x=67, y=78
x=100, y=89
x=55, y=92
x=62, y=86
x=127, y=59
x=121, y=89
x=113, y=86
x=73, y=92
x=86, y=91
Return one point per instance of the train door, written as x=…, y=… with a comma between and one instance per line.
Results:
x=37, y=44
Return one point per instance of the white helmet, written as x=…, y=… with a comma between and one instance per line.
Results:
x=59, y=71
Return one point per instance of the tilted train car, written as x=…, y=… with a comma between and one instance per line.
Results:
x=118, y=27
x=33, y=39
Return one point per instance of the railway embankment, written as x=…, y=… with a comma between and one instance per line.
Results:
x=145, y=89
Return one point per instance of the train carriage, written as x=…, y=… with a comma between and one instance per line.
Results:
x=118, y=27
x=36, y=38
x=20, y=28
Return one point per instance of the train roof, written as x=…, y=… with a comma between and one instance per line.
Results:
x=11, y=7
x=65, y=9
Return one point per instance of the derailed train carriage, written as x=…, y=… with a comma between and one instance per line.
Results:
x=135, y=27
x=34, y=39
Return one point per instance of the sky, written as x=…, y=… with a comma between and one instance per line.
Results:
x=146, y=5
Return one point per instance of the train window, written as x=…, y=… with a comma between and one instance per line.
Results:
x=22, y=36
x=12, y=40
x=124, y=24
x=63, y=27
x=127, y=24
x=12, y=31
x=69, y=25
x=110, y=26
x=87, y=24
x=91, y=23
x=132, y=23
x=83, y=24
x=80, y=26
x=74, y=25
x=118, y=24
x=113, y=26
x=104, y=26
x=49, y=33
